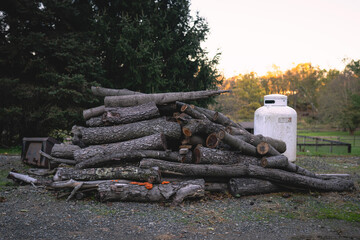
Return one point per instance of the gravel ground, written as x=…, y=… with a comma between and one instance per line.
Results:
x=35, y=213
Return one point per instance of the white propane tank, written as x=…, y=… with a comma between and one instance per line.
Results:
x=276, y=120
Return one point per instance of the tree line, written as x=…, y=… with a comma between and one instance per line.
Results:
x=53, y=51
x=330, y=96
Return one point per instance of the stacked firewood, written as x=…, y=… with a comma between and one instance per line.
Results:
x=155, y=147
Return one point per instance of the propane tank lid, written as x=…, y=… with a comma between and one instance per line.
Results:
x=275, y=100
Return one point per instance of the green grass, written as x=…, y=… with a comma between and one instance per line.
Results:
x=16, y=150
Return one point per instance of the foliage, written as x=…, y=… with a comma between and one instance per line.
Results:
x=53, y=51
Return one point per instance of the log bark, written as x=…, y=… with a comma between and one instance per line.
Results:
x=293, y=179
x=158, y=98
x=197, y=170
x=279, y=161
x=205, y=155
x=122, y=115
x=103, y=92
x=64, y=151
x=91, y=174
x=201, y=126
x=95, y=122
x=111, y=134
x=133, y=155
x=252, y=186
x=237, y=143
x=93, y=112
x=175, y=192
x=153, y=142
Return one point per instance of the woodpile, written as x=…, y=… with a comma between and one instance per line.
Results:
x=155, y=147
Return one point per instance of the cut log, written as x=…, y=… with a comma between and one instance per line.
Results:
x=252, y=186
x=212, y=141
x=254, y=140
x=64, y=151
x=158, y=98
x=175, y=192
x=57, y=160
x=153, y=142
x=279, y=161
x=93, y=112
x=122, y=115
x=103, y=92
x=216, y=187
x=197, y=170
x=111, y=134
x=264, y=148
x=237, y=143
x=293, y=179
x=95, y=122
x=189, y=110
x=201, y=126
x=90, y=174
x=132, y=155
x=205, y=155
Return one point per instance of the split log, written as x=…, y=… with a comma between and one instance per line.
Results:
x=264, y=148
x=175, y=192
x=122, y=115
x=158, y=98
x=205, y=155
x=153, y=142
x=103, y=92
x=254, y=140
x=252, y=186
x=237, y=143
x=90, y=174
x=95, y=122
x=293, y=179
x=197, y=170
x=135, y=155
x=111, y=134
x=64, y=151
x=93, y=112
x=57, y=160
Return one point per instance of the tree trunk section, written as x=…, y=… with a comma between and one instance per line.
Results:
x=175, y=192
x=158, y=98
x=103, y=92
x=111, y=134
x=91, y=174
x=197, y=170
x=205, y=155
x=132, y=155
x=153, y=142
x=93, y=112
x=279, y=161
x=95, y=122
x=252, y=186
x=116, y=116
x=264, y=148
x=64, y=151
x=201, y=126
x=293, y=179
x=237, y=143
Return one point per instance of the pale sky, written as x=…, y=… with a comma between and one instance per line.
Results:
x=255, y=34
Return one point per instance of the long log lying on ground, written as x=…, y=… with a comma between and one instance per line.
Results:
x=90, y=174
x=122, y=115
x=197, y=170
x=153, y=142
x=175, y=192
x=205, y=155
x=241, y=170
x=252, y=186
x=158, y=98
x=111, y=134
x=292, y=179
x=135, y=154
x=64, y=151
x=103, y=92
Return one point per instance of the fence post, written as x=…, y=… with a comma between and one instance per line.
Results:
x=349, y=148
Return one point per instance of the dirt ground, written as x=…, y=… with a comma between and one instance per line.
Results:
x=27, y=212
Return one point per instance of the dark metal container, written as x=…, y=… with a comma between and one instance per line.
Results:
x=31, y=147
